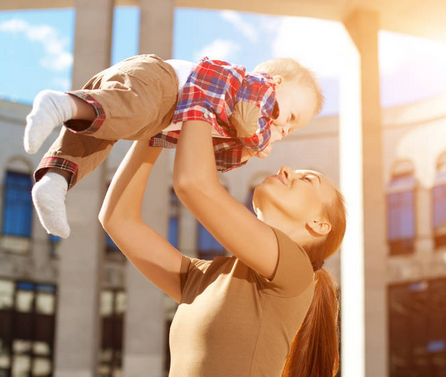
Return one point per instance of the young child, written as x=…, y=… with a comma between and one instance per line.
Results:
x=144, y=97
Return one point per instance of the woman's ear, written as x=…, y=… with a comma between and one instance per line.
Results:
x=278, y=80
x=319, y=228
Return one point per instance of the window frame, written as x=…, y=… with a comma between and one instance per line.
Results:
x=403, y=246
x=439, y=238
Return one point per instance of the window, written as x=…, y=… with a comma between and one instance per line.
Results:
x=111, y=249
x=401, y=211
x=249, y=200
x=27, y=322
x=208, y=246
x=54, y=244
x=439, y=204
x=17, y=205
x=174, y=217
x=113, y=307
x=110, y=246
x=417, y=330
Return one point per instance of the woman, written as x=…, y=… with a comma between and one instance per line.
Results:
x=238, y=315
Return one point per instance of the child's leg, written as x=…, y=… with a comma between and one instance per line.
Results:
x=50, y=109
x=132, y=100
x=70, y=158
x=49, y=201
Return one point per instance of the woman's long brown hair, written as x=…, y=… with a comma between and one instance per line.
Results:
x=314, y=351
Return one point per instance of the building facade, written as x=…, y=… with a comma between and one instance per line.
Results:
x=34, y=304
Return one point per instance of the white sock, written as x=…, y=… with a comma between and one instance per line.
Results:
x=49, y=200
x=50, y=108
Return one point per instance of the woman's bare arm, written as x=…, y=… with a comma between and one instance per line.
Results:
x=121, y=217
x=231, y=223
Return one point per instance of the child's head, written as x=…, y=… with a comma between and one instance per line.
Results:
x=298, y=93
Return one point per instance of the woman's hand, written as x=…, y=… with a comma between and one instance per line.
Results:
x=248, y=153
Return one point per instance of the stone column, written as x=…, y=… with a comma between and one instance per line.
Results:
x=156, y=27
x=145, y=335
x=363, y=256
x=78, y=325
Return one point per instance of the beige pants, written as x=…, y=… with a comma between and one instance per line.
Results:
x=134, y=100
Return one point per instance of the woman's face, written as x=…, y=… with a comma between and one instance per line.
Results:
x=300, y=195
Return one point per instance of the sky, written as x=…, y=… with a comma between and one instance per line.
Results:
x=36, y=50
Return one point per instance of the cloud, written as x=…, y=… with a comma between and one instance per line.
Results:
x=57, y=62
x=240, y=24
x=62, y=83
x=14, y=26
x=316, y=44
x=219, y=49
x=56, y=58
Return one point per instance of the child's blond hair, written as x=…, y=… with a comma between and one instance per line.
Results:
x=289, y=68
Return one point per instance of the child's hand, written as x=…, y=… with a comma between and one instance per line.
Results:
x=276, y=135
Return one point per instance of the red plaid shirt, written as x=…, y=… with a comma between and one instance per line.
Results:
x=210, y=94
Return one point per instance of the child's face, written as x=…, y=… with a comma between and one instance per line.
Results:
x=297, y=105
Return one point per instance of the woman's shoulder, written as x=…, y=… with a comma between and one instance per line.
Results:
x=294, y=271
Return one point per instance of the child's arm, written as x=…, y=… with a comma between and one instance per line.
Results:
x=121, y=217
x=230, y=222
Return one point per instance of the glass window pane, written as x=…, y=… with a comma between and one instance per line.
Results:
x=25, y=285
x=106, y=355
x=45, y=303
x=206, y=242
x=174, y=219
x=46, y=288
x=173, y=231
x=54, y=245
x=6, y=294
x=109, y=243
x=54, y=239
x=24, y=301
x=106, y=303
x=208, y=246
x=17, y=205
x=21, y=365
x=120, y=302
x=439, y=198
x=5, y=355
x=41, y=349
x=41, y=366
x=400, y=215
x=249, y=200
x=21, y=346
x=104, y=370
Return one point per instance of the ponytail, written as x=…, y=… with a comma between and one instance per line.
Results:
x=314, y=350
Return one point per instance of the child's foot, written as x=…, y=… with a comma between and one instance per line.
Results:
x=50, y=108
x=49, y=200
